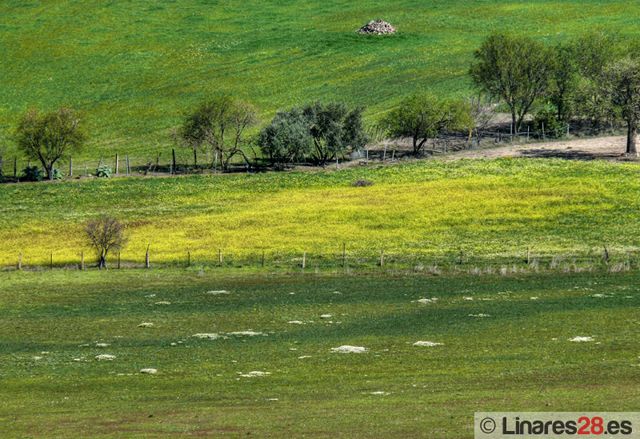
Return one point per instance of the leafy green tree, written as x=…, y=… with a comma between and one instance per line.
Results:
x=514, y=69
x=622, y=80
x=423, y=116
x=334, y=130
x=564, y=77
x=219, y=124
x=287, y=138
x=50, y=136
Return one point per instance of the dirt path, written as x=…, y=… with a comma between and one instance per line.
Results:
x=607, y=148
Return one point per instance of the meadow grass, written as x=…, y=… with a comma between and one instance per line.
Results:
x=518, y=358
x=133, y=67
x=429, y=208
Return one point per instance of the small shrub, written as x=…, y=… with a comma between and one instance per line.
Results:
x=57, y=175
x=362, y=183
x=547, y=117
x=104, y=171
x=32, y=173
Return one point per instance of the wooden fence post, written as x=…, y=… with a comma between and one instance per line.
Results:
x=128, y=166
x=117, y=163
x=173, y=160
x=304, y=260
x=51, y=261
x=70, y=166
x=528, y=133
x=82, y=260
x=188, y=258
x=118, y=260
x=19, y=261
x=146, y=258
x=15, y=167
x=220, y=257
x=544, y=137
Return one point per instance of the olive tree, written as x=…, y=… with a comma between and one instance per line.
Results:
x=219, y=124
x=105, y=234
x=514, y=69
x=622, y=81
x=287, y=138
x=335, y=129
x=50, y=136
x=423, y=116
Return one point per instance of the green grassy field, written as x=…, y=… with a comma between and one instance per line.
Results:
x=487, y=209
x=133, y=67
x=517, y=358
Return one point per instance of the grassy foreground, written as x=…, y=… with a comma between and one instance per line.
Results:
x=133, y=66
x=519, y=357
x=426, y=209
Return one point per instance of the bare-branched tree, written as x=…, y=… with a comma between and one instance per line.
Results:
x=105, y=234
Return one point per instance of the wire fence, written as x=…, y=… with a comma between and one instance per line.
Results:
x=346, y=260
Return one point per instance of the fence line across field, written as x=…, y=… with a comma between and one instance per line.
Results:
x=345, y=259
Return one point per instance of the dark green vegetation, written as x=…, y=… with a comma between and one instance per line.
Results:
x=519, y=358
x=133, y=67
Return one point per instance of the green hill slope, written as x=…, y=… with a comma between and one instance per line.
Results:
x=133, y=66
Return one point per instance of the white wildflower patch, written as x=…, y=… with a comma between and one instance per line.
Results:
x=295, y=322
x=302, y=357
x=426, y=300
x=218, y=292
x=208, y=335
x=163, y=302
x=145, y=325
x=480, y=316
x=105, y=357
x=248, y=333
x=581, y=339
x=347, y=349
x=254, y=374
x=149, y=371
x=427, y=344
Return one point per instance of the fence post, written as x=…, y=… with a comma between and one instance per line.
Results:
x=188, y=258
x=220, y=257
x=70, y=166
x=146, y=257
x=51, y=261
x=511, y=131
x=605, y=255
x=344, y=255
x=382, y=258
x=528, y=133
x=15, y=167
x=82, y=261
x=544, y=137
x=118, y=260
x=128, y=167
x=173, y=159
x=304, y=260
x=117, y=163
x=19, y=261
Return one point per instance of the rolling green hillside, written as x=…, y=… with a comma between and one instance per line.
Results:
x=133, y=66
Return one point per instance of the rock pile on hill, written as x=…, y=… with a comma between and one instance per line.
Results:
x=377, y=27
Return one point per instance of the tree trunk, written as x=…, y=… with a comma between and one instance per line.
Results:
x=631, y=137
x=102, y=263
x=49, y=170
x=514, y=121
x=195, y=157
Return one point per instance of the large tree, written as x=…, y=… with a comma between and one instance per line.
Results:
x=335, y=129
x=287, y=138
x=622, y=81
x=219, y=124
x=50, y=136
x=423, y=116
x=514, y=69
